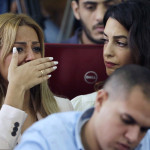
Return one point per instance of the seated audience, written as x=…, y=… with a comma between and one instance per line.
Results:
x=126, y=41
x=24, y=94
x=119, y=120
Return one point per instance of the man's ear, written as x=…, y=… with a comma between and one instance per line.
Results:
x=101, y=97
x=75, y=8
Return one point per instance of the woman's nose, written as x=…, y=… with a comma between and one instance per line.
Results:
x=30, y=55
x=108, y=50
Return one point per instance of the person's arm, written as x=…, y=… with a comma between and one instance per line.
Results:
x=11, y=121
x=21, y=78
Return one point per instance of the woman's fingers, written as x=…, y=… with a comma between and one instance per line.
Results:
x=32, y=73
x=14, y=59
x=46, y=71
x=46, y=65
x=41, y=79
x=41, y=60
x=13, y=62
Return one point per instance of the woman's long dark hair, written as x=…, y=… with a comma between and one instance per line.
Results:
x=134, y=15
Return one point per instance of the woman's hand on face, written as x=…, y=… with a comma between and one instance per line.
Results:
x=31, y=73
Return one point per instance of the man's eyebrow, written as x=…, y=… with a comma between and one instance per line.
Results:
x=117, y=36
x=135, y=122
x=131, y=118
x=89, y=2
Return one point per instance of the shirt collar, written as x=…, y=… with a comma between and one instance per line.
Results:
x=85, y=116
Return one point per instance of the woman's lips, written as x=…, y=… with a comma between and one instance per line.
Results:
x=110, y=64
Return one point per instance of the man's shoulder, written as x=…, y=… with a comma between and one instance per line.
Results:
x=56, y=131
x=57, y=120
x=75, y=39
x=72, y=40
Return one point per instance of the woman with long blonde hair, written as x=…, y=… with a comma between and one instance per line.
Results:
x=24, y=93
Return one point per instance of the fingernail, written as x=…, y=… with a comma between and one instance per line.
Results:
x=14, y=50
x=49, y=76
x=55, y=62
x=55, y=67
x=51, y=58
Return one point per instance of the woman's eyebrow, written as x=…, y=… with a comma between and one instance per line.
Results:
x=120, y=37
x=117, y=36
x=20, y=43
x=24, y=43
x=35, y=42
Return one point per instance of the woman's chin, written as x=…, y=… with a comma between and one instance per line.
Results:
x=109, y=71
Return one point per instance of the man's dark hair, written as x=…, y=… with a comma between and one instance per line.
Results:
x=124, y=79
x=134, y=16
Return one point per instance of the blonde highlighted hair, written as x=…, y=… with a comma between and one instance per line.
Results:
x=42, y=97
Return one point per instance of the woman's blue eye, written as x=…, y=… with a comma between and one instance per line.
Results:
x=37, y=49
x=19, y=49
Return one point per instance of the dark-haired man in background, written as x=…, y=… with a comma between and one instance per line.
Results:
x=90, y=13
